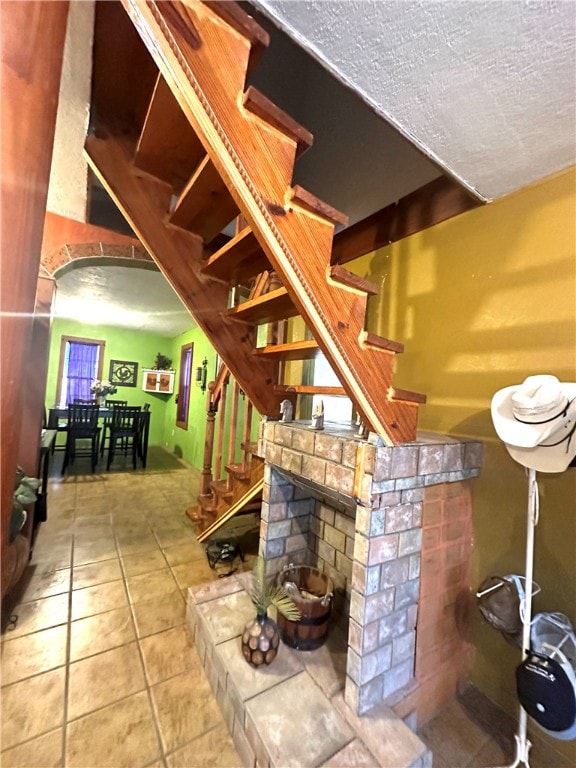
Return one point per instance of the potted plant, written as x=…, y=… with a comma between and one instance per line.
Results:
x=261, y=637
x=162, y=363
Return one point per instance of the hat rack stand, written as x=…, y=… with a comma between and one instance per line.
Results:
x=523, y=744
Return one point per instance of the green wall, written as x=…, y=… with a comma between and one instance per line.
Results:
x=189, y=444
x=121, y=344
x=481, y=302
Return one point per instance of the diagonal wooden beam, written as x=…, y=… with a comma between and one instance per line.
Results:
x=178, y=253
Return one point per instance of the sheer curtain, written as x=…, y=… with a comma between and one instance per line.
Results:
x=80, y=371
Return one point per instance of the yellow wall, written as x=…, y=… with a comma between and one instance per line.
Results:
x=480, y=303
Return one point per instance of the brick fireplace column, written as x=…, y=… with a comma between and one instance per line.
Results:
x=372, y=547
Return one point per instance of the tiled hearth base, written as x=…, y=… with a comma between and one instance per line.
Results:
x=291, y=713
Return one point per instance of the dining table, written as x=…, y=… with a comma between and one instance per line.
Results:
x=59, y=414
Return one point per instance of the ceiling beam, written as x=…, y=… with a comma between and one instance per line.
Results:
x=437, y=201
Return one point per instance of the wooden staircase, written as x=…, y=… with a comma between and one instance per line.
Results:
x=184, y=148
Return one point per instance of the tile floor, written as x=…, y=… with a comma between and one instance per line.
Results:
x=97, y=667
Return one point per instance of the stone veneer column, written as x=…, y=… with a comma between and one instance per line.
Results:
x=388, y=484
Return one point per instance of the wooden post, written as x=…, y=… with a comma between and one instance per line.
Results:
x=233, y=431
x=32, y=45
x=247, y=434
x=208, y=444
x=221, y=425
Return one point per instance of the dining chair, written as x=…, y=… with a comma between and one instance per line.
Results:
x=142, y=435
x=83, y=401
x=110, y=404
x=82, y=425
x=124, y=428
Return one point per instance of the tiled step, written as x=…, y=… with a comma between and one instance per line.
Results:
x=274, y=713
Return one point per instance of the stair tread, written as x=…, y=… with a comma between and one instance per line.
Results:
x=309, y=389
x=241, y=258
x=293, y=350
x=379, y=342
x=257, y=103
x=268, y=308
x=221, y=489
x=168, y=147
x=407, y=395
x=238, y=470
x=208, y=502
x=342, y=275
x=205, y=206
x=309, y=201
x=233, y=15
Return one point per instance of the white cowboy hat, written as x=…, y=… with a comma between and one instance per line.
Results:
x=537, y=422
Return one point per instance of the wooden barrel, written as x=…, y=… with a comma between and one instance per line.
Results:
x=314, y=600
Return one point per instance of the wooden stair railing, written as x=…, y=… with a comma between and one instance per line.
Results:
x=218, y=495
x=238, y=157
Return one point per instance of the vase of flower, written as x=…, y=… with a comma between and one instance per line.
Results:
x=101, y=390
x=261, y=638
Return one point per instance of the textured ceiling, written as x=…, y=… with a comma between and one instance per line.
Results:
x=486, y=88
x=124, y=297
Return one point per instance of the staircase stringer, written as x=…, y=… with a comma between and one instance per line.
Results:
x=143, y=204
x=290, y=235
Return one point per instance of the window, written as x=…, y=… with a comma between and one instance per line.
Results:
x=184, y=385
x=80, y=363
x=335, y=408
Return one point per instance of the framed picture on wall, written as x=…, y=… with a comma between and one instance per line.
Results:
x=123, y=373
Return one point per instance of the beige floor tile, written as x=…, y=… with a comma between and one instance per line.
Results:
x=32, y=654
x=38, y=614
x=213, y=749
x=184, y=553
x=122, y=735
x=100, y=539
x=455, y=736
x=193, y=574
x=103, y=679
x=137, y=545
x=103, y=597
x=45, y=751
x=44, y=582
x=103, y=550
x=149, y=585
x=167, y=654
x=96, y=573
x=159, y=614
x=32, y=707
x=144, y=562
x=185, y=708
x=55, y=554
x=169, y=538
x=95, y=634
